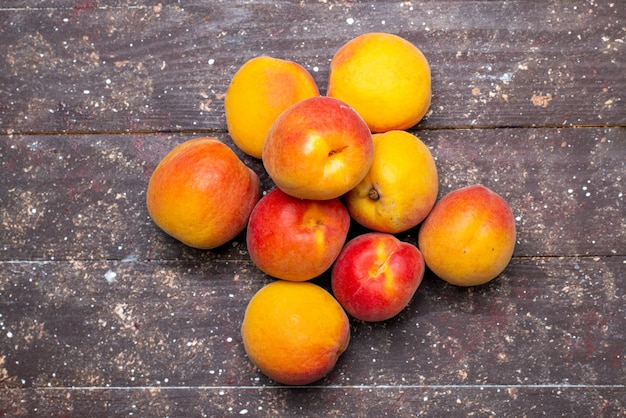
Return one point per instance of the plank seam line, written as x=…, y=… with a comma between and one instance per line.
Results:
x=125, y=261
x=60, y=9
x=247, y=261
x=360, y=387
x=221, y=131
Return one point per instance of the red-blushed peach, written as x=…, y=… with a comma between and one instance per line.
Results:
x=296, y=239
x=318, y=149
x=376, y=276
x=469, y=237
x=202, y=194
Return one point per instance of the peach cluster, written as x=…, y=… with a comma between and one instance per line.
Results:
x=346, y=156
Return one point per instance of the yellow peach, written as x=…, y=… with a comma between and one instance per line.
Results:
x=400, y=188
x=294, y=332
x=259, y=91
x=385, y=78
x=469, y=236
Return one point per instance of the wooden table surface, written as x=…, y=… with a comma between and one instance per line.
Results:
x=102, y=314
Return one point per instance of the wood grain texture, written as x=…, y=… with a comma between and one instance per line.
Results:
x=83, y=196
x=402, y=402
x=147, y=324
x=167, y=67
x=547, y=334
x=102, y=314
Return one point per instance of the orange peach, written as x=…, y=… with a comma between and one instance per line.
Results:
x=376, y=275
x=259, y=91
x=469, y=236
x=385, y=78
x=318, y=149
x=294, y=332
x=296, y=239
x=400, y=188
x=202, y=194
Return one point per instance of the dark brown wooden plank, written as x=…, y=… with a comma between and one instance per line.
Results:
x=101, y=314
x=544, y=321
x=482, y=401
x=72, y=67
x=82, y=197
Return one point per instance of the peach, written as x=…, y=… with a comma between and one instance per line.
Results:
x=385, y=78
x=376, y=276
x=318, y=149
x=296, y=239
x=400, y=188
x=469, y=236
x=294, y=332
x=260, y=91
x=202, y=194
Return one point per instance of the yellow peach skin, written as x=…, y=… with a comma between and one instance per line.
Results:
x=469, y=236
x=400, y=188
x=202, y=194
x=385, y=78
x=294, y=332
x=259, y=91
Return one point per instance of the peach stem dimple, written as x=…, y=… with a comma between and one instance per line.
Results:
x=373, y=194
x=336, y=151
x=378, y=268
